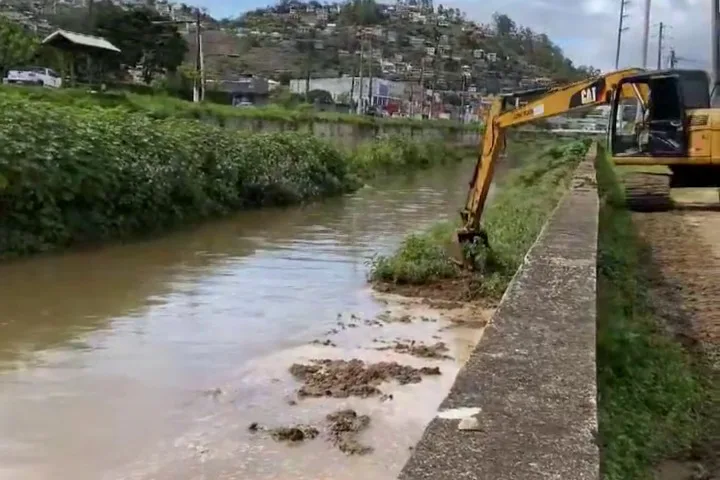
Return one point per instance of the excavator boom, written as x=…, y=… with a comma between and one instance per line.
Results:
x=580, y=95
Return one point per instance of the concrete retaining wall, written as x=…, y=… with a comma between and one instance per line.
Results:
x=524, y=405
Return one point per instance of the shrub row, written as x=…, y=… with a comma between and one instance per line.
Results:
x=512, y=220
x=70, y=175
x=165, y=106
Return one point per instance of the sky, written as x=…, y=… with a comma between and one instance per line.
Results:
x=586, y=30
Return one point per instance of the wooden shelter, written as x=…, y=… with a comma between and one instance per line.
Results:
x=80, y=44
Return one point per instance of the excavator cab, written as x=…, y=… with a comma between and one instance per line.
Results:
x=655, y=122
x=667, y=123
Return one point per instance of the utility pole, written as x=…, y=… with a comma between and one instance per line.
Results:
x=673, y=58
x=360, y=73
x=462, y=96
x=352, y=90
x=421, y=82
x=660, y=43
x=621, y=29
x=198, y=59
x=715, y=50
x=370, y=73
x=307, y=74
x=646, y=34
x=202, y=70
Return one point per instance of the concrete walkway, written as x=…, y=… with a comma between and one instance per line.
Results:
x=523, y=407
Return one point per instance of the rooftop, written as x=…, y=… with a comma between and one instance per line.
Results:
x=81, y=39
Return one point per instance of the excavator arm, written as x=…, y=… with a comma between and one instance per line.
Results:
x=556, y=101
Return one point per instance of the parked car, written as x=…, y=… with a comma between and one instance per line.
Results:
x=40, y=76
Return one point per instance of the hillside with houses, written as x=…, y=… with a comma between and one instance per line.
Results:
x=408, y=41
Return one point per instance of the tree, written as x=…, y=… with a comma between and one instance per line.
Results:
x=156, y=47
x=504, y=25
x=587, y=71
x=17, y=46
x=320, y=96
x=361, y=12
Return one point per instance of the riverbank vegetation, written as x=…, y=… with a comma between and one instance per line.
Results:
x=650, y=392
x=72, y=175
x=166, y=106
x=512, y=220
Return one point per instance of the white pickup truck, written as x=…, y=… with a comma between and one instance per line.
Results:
x=40, y=76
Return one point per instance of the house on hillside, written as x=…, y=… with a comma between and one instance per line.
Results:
x=244, y=91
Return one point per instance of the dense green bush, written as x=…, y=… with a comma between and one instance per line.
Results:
x=70, y=175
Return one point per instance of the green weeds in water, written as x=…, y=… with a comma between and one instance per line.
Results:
x=648, y=392
x=75, y=175
x=512, y=220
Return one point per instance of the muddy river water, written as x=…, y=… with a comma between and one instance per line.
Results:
x=150, y=360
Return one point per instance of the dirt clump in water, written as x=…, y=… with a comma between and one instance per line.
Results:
x=442, y=304
x=345, y=378
x=419, y=349
x=297, y=433
x=388, y=318
x=344, y=427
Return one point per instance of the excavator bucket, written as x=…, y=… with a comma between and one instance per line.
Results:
x=465, y=238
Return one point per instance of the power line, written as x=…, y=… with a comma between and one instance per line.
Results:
x=621, y=29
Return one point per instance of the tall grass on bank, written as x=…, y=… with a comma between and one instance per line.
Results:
x=72, y=175
x=648, y=392
x=165, y=106
x=513, y=219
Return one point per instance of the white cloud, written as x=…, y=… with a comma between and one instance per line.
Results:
x=586, y=30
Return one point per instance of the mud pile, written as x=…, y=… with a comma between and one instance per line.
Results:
x=419, y=349
x=344, y=426
x=297, y=433
x=345, y=378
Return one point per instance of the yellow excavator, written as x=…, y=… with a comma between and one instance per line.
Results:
x=670, y=123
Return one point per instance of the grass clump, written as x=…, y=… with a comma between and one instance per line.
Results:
x=649, y=393
x=513, y=220
x=73, y=175
x=421, y=258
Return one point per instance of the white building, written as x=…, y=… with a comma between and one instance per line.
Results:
x=384, y=91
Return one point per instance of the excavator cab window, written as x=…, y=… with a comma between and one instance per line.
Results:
x=652, y=124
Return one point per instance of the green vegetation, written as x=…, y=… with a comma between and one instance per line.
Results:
x=422, y=258
x=72, y=175
x=649, y=393
x=165, y=106
x=513, y=220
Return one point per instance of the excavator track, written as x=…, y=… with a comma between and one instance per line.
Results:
x=647, y=192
